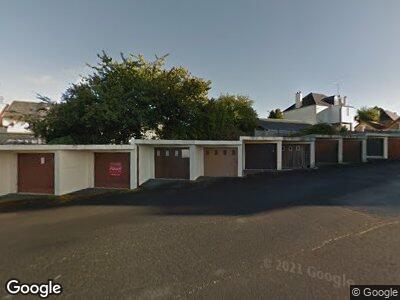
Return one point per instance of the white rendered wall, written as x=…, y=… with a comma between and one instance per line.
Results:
x=146, y=163
x=306, y=114
x=196, y=162
x=8, y=172
x=74, y=171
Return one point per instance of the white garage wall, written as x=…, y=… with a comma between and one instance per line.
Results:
x=8, y=172
x=146, y=163
x=75, y=171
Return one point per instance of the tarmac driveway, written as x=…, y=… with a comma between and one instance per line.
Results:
x=301, y=235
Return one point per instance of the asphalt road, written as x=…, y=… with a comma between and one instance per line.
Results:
x=298, y=235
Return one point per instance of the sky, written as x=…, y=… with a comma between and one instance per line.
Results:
x=266, y=50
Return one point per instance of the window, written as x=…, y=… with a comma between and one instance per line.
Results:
x=176, y=152
x=158, y=153
x=166, y=152
x=283, y=148
x=297, y=148
x=290, y=148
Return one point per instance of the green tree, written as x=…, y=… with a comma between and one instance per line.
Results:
x=276, y=114
x=228, y=118
x=123, y=99
x=371, y=114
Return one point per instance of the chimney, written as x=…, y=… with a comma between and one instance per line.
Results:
x=299, y=99
x=336, y=100
x=344, y=101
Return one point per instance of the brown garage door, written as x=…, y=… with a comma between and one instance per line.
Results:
x=260, y=156
x=326, y=151
x=172, y=163
x=352, y=151
x=295, y=156
x=112, y=170
x=36, y=173
x=220, y=162
x=394, y=148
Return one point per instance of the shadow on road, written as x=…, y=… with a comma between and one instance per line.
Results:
x=372, y=185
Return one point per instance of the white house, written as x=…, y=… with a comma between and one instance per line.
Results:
x=14, y=115
x=318, y=108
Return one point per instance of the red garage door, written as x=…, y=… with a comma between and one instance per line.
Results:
x=36, y=173
x=326, y=151
x=172, y=163
x=112, y=170
x=352, y=151
x=394, y=148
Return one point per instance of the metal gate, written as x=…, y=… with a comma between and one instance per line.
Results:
x=112, y=170
x=36, y=173
x=295, y=156
x=375, y=147
x=221, y=162
x=260, y=156
x=326, y=151
x=172, y=163
x=352, y=151
x=394, y=148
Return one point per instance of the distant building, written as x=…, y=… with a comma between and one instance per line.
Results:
x=276, y=127
x=318, y=108
x=14, y=116
x=388, y=121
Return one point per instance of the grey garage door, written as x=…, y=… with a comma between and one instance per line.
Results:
x=375, y=147
x=260, y=156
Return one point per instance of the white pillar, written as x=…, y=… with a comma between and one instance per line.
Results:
x=340, y=151
x=196, y=161
x=240, y=160
x=364, y=150
x=385, y=147
x=279, y=155
x=57, y=182
x=133, y=169
x=312, y=154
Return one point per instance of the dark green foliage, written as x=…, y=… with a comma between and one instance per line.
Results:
x=125, y=99
x=276, y=114
x=324, y=129
x=365, y=114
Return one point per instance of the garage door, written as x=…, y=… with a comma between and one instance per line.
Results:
x=260, y=156
x=295, y=156
x=375, y=147
x=326, y=151
x=394, y=148
x=352, y=151
x=220, y=162
x=36, y=173
x=112, y=170
x=172, y=163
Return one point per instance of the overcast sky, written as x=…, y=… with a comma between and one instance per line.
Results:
x=264, y=49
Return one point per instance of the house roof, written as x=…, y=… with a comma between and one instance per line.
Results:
x=393, y=116
x=314, y=99
x=281, y=124
x=21, y=109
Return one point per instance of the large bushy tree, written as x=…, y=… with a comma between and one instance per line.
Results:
x=125, y=99
x=275, y=114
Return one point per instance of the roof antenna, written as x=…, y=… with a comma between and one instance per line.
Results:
x=337, y=88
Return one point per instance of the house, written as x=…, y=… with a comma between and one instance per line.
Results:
x=279, y=127
x=318, y=108
x=14, y=116
x=388, y=121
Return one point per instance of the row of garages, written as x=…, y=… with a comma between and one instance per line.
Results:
x=51, y=169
